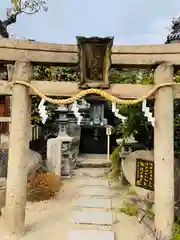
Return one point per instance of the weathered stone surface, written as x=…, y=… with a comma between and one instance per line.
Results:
x=129, y=168
x=150, y=196
x=2, y=197
x=88, y=164
x=74, y=131
x=96, y=218
x=93, y=203
x=34, y=159
x=130, y=199
x=90, y=234
x=53, y=161
x=94, y=191
x=96, y=182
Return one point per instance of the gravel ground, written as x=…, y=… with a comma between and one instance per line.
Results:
x=52, y=219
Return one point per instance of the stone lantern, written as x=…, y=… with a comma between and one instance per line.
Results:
x=126, y=146
x=83, y=109
x=66, y=141
x=74, y=130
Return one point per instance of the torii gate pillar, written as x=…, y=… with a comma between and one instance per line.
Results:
x=164, y=153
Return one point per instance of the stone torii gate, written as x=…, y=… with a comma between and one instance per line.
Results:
x=163, y=58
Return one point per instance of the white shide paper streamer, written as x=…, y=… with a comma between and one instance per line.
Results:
x=42, y=111
x=75, y=110
x=147, y=113
x=116, y=112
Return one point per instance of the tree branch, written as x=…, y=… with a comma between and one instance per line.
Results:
x=10, y=20
x=29, y=13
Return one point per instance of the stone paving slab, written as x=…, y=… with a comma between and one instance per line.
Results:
x=90, y=235
x=90, y=217
x=94, y=203
x=96, y=182
x=94, y=191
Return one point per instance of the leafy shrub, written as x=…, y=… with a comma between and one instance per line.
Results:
x=115, y=156
x=116, y=164
x=177, y=230
x=43, y=187
x=130, y=209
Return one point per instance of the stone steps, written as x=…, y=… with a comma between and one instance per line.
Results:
x=92, y=156
x=93, y=161
x=91, y=234
x=93, y=203
x=92, y=164
x=93, y=218
x=93, y=208
x=95, y=191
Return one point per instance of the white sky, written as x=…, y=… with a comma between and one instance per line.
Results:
x=129, y=21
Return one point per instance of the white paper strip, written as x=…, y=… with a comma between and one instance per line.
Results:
x=42, y=111
x=147, y=113
x=75, y=110
x=116, y=112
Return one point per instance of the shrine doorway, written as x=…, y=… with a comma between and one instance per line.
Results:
x=93, y=140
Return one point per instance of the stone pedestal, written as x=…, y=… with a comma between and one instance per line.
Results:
x=66, y=150
x=54, y=155
x=66, y=155
x=74, y=131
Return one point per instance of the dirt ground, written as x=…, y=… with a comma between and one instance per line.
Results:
x=52, y=219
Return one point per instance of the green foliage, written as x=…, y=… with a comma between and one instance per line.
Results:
x=120, y=76
x=136, y=124
x=149, y=212
x=115, y=156
x=177, y=76
x=56, y=73
x=26, y=6
x=35, y=117
x=177, y=230
x=116, y=163
x=131, y=76
x=130, y=209
x=131, y=192
x=51, y=73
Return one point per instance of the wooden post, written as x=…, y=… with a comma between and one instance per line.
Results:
x=164, y=153
x=108, y=147
x=108, y=133
x=16, y=190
